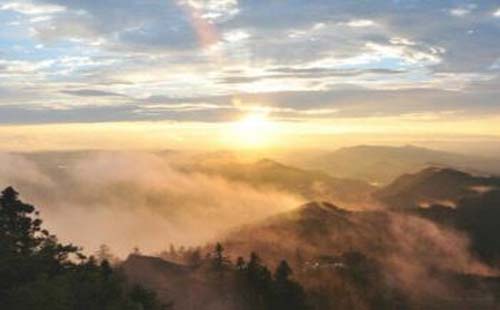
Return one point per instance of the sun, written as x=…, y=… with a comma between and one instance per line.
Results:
x=253, y=131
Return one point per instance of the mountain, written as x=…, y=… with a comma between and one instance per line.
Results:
x=382, y=164
x=317, y=228
x=314, y=227
x=166, y=278
x=405, y=253
x=271, y=174
x=173, y=283
x=263, y=173
x=478, y=216
x=321, y=228
x=434, y=186
x=455, y=199
x=343, y=259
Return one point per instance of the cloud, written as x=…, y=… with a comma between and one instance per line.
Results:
x=32, y=8
x=214, y=10
x=90, y=93
x=19, y=170
x=194, y=49
x=461, y=11
x=359, y=23
x=451, y=93
x=20, y=67
x=236, y=35
x=127, y=199
x=402, y=41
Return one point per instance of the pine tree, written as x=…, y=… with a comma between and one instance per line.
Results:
x=38, y=272
x=288, y=294
x=219, y=261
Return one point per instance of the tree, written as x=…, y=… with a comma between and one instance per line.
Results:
x=194, y=258
x=172, y=252
x=104, y=254
x=26, y=250
x=219, y=261
x=145, y=298
x=37, y=271
x=259, y=284
x=288, y=294
x=106, y=269
x=19, y=228
x=283, y=271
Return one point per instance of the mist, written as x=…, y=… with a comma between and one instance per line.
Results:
x=135, y=199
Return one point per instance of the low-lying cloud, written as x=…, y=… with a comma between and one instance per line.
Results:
x=135, y=199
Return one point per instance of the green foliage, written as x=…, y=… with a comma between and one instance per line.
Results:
x=38, y=272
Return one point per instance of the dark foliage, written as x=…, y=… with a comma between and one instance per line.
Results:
x=38, y=272
x=258, y=289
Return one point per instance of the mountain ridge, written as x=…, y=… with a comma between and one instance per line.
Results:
x=379, y=164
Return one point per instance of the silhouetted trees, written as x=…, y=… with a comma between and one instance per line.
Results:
x=288, y=294
x=191, y=256
x=38, y=272
x=219, y=261
x=104, y=253
x=258, y=289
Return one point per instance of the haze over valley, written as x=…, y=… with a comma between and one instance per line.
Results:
x=249, y=155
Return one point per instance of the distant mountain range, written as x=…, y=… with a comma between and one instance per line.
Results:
x=382, y=164
x=346, y=175
x=267, y=173
x=431, y=237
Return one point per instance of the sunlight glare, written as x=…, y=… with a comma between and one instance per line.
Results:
x=253, y=131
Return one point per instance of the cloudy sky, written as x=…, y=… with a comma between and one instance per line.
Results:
x=400, y=66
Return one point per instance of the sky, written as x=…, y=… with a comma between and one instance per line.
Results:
x=156, y=73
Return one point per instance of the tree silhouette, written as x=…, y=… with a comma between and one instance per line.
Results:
x=220, y=262
x=288, y=294
x=194, y=258
x=26, y=250
x=259, y=284
x=38, y=272
x=104, y=254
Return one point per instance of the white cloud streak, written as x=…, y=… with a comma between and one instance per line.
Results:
x=31, y=8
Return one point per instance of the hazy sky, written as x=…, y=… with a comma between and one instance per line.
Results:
x=310, y=67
